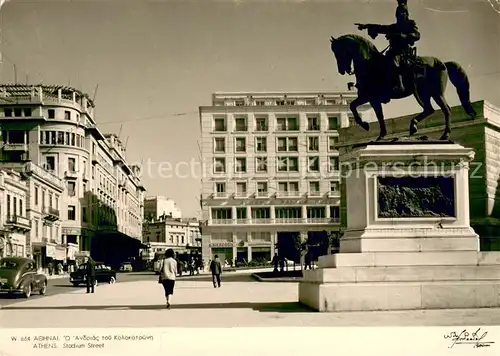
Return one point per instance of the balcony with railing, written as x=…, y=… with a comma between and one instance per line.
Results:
x=243, y=221
x=290, y=221
x=18, y=222
x=30, y=168
x=293, y=194
x=71, y=174
x=21, y=147
x=262, y=194
x=315, y=193
x=50, y=214
x=220, y=194
x=241, y=195
x=222, y=221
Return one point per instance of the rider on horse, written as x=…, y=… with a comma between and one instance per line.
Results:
x=402, y=36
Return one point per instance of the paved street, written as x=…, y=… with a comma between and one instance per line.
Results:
x=137, y=301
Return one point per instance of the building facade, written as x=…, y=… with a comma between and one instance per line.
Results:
x=181, y=235
x=14, y=224
x=482, y=135
x=271, y=170
x=156, y=207
x=52, y=128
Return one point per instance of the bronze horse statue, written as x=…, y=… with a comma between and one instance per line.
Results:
x=424, y=77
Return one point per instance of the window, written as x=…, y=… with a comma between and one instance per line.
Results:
x=335, y=213
x=262, y=189
x=71, y=189
x=288, y=164
x=333, y=123
x=288, y=213
x=60, y=138
x=261, y=213
x=312, y=124
x=8, y=205
x=350, y=117
x=241, y=189
x=240, y=144
x=27, y=112
x=261, y=124
x=316, y=212
x=16, y=137
x=241, y=213
x=313, y=144
x=280, y=102
x=67, y=115
x=71, y=212
x=333, y=164
x=36, y=196
x=240, y=124
x=18, y=112
x=219, y=125
x=261, y=144
x=314, y=188
x=219, y=145
x=7, y=112
x=332, y=143
x=21, y=208
x=239, y=103
x=261, y=164
x=260, y=102
x=220, y=165
x=50, y=163
x=287, y=124
x=73, y=141
x=313, y=164
x=241, y=165
x=334, y=186
x=221, y=213
x=84, y=214
x=288, y=188
x=51, y=113
x=287, y=144
x=72, y=164
x=220, y=190
x=290, y=102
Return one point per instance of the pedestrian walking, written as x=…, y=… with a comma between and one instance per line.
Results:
x=90, y=274
x=167, y=275
x=216, y=269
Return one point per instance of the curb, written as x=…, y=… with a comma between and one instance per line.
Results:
x=276, y=280
x=58, y=276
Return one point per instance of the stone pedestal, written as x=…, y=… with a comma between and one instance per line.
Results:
x=408, y=242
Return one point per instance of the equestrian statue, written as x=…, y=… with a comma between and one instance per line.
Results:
x=399, y=72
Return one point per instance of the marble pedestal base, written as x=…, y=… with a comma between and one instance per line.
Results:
x=403, y=280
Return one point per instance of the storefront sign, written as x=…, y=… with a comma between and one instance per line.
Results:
x=50, y=251
x=60, y=253
x=221, y=244
x=72, y=251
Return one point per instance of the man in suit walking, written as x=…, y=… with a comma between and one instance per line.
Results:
x=216, y=269
x=90, y=274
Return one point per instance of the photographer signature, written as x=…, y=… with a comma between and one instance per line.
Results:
x=467, y=338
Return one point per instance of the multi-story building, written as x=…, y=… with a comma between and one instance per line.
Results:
x=272, y=170
x=102, y=197
x=14, y=224
x=181, y=235
x=156, y=207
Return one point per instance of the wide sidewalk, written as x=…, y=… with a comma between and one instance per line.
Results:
x=198, y=304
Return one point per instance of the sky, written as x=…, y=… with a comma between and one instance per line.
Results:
x=154, y=62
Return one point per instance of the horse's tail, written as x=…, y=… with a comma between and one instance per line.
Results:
x=460, y=81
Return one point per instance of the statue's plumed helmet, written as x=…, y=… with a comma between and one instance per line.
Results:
x=402, y=10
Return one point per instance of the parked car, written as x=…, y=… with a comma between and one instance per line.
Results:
x=103, y=274
x=19, y=275
x=126, y=267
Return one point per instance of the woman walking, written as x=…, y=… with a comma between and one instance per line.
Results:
x=167, y=274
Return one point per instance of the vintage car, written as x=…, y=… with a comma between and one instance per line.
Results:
x=103, y=274
x=19, y=275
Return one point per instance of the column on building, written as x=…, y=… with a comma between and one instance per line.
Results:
x=235, y=244
x=272, y=215
x=233, y=214
x=274, y=237
x=304, y=213
x=249, y=215
x=249, y=246
x=327, y=212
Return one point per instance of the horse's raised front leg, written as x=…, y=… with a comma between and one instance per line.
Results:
x=377, y=107
x=443, y=105
x=354, y=109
